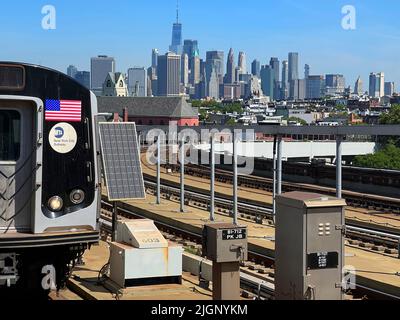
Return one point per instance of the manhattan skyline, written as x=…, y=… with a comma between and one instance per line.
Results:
x=262, y=29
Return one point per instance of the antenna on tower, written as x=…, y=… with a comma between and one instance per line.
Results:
x=177, y=11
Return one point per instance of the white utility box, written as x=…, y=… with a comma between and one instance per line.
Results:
x=141, y=252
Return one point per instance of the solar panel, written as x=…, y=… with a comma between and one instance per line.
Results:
x=121, y=161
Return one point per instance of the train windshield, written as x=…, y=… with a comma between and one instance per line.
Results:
x=10, y=135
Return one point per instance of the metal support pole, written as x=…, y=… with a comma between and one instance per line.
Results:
x=158, y=171
x=114, y=222
x=182, y=161
x=339, y=140
x=274, y=181
x=279, y=166
x=235, y=182
x=212, y=186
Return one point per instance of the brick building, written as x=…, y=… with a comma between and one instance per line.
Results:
x=150, y=111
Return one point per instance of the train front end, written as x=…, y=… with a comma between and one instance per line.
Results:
x=49, y=182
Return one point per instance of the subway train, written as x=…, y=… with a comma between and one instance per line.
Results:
x=49, y=175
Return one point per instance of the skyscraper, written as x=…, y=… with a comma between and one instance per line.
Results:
x=176, y=43
x=195, y=71
x=335, y=84
x=100, y=66
x=293, y=73
x=215, y=59
x=137, y=82
x=274, y=63
x=230, y=68
x=315, y=86
x=242, y=64
x=358, y=87
x=185, y=69
x=377, y=85
x=214, y=72
x=154, y=58
x=285, y=83
x=267, y=81
x=298, y=89
x=83, y=77
x=191, y=48
x=255, y=68
x=389, y=88
x=306, y=71
x=169, y=75
x=71, y=71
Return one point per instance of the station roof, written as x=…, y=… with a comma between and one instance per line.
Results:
x=172, y=107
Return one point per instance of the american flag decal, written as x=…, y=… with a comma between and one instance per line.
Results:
x=63, y=110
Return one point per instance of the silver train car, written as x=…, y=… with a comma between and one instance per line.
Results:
x=49, y=175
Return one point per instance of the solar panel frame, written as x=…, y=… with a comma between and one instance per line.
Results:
x=121, y=161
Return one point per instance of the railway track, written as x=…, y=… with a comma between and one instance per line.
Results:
x=355, y=199
x=257, y=285
x=375, y=238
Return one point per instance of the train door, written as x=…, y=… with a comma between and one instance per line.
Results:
x=17, y=165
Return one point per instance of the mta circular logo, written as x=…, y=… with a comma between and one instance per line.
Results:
x=59, y=132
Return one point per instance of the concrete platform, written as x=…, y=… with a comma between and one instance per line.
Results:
x=381, y=269
x=83, y=282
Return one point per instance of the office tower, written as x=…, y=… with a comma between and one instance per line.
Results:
x=335, y=84
x=185, y=69
x=293, y=73
x=176, y=44
x=215, y=59
x=242, y=64
x=389, y=88
x=137, y=82
x=83, y=77
x=298, y=89
x=230, y=68
x=169, y=75
x=377, y=85
x=285, y=83
x=191, y=48
x=267, y=81
x=152, y=82
x=306, y=71
x=154, y=57
x=274, y=64
x=358, y=87
x=71, y=71
x=195, y=71
x=214, y=72
x=212, y=85
x=99, y=68
x=315, y=87
x=255, y=68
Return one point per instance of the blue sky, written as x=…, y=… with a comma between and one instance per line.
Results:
x=129, y=29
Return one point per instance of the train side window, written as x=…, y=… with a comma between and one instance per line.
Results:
x=10, y=135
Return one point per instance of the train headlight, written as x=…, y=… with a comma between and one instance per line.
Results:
x=77, y=196
x=55, y=203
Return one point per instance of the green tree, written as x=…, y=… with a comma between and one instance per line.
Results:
x=387, y=158
x=392, y=117
x=231, y=122
x=299, y=120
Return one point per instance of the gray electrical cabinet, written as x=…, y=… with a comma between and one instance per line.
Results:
x=309, y=247
x=225, y=245
x=225, y=242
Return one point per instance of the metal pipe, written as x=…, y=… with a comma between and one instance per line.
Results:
x=235, y=181
x=212, y=184
x=114, y=222
x=158, y=171
x=339, y=140
x=279, y=166
x=274, y=181
x=182, y=161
